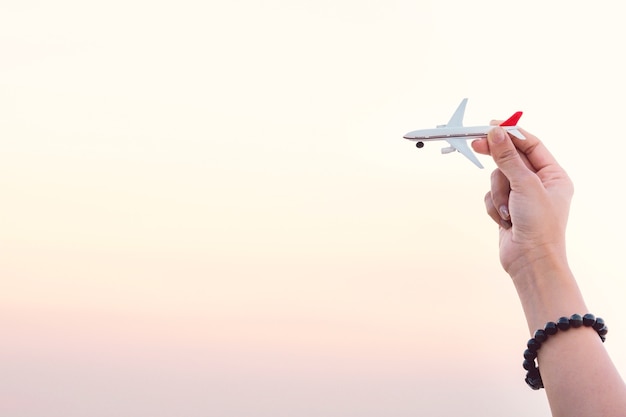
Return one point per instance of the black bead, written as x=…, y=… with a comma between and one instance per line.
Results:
x=563, y=323
x=551, y=328
x=603, y=331
x=541, y=336
x=534, y=383
x=576, y=321
x=533, y=379
x=533, y=345
x=598, y=324
x=528, y=364
x=529, y=354
x=533, y=373
x=589, y=320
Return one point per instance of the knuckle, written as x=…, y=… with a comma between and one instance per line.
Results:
x=494, y=175
x=508, y=155
x=487, y=199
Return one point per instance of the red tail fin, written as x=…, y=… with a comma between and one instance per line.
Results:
x=512, y=121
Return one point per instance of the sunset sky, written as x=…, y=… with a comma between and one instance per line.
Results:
x=208, y=208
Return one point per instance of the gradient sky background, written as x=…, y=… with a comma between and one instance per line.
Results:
x=208, y=208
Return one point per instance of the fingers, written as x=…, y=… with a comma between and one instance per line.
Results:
x=493, y=212
x=505, y=155
x=532, y=149
x=500, y=189
x=497, y=200
x=482, y=146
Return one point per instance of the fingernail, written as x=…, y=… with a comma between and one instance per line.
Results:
x=504, y=212
x=497, y=135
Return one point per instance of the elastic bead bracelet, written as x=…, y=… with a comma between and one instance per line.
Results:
x=533, y=376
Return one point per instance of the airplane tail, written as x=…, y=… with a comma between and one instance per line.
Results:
x=512, y=121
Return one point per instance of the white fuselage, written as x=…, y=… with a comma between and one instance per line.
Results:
x=443, y=133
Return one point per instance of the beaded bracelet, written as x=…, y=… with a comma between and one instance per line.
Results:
x=533, y=377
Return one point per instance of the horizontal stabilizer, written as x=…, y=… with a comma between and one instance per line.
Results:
x=516, y=133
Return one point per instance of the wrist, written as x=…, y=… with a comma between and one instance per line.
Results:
x=537, y=263
x=547, y=288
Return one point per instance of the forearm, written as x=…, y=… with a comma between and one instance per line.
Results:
x=578, y=375
x=547, y=290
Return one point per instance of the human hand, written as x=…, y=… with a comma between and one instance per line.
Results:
x=529, y=199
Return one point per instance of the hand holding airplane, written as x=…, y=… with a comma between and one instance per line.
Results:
x=457, y=135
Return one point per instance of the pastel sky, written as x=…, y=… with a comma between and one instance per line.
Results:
x=208, y=208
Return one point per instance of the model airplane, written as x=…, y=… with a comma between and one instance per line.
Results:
x=457, y=135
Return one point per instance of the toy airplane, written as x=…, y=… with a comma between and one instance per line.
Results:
x=457, y=135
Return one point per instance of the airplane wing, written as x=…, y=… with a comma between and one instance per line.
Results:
x=461, y=145
x=457, y=118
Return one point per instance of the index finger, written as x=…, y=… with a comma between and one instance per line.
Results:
x=538, y=155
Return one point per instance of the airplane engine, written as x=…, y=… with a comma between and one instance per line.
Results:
x=448, y=149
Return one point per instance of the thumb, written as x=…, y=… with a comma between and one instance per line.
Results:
x=505, y=154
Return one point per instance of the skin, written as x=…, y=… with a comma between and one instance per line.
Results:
x=529, y=199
